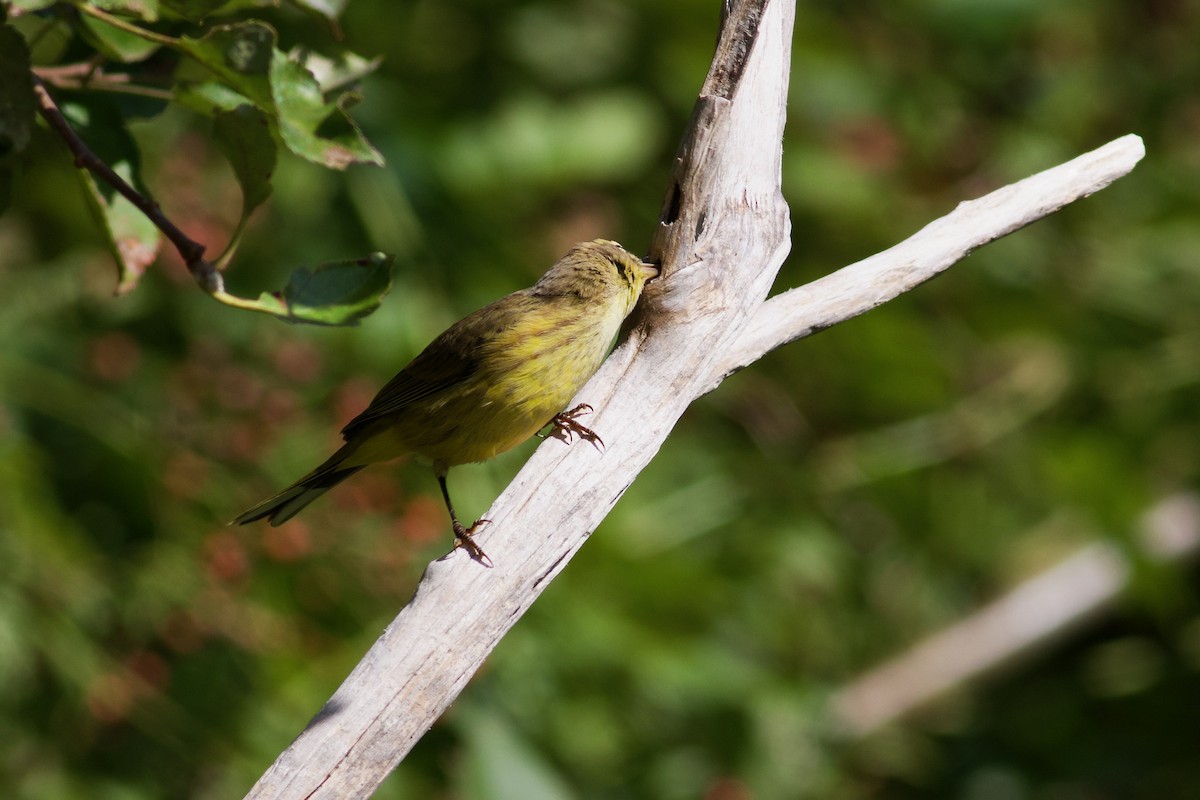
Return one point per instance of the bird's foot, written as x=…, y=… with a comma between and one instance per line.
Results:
x=465, y=538
x=567, y=427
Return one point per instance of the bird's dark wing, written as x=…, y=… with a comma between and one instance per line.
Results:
x=446, y=364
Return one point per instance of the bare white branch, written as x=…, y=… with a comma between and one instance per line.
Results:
x=873, y=281
x=723, y=235
x=1031, y=616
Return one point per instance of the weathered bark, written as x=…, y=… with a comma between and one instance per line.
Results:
x=723, y=235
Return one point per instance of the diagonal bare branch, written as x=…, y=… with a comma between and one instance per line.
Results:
x=860, y=287
x=723, y=234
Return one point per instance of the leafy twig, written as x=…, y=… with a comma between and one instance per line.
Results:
x=191, y=251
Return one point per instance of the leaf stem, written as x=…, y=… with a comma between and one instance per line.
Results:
x=243, y=302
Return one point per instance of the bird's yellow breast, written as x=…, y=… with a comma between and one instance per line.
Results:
x=525, y=374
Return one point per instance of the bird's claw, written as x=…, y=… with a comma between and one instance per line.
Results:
x=465, y=538
x=567, y=427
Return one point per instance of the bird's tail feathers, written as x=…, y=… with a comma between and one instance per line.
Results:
x=288, y=503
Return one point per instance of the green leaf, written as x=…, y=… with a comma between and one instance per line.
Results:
x=17, y=105
x=240, y=56
x=145, y=10
x=335, y=73
x=330, y=9
x=30, y=6
x=339, y=292
x=131, y=237
x=248, y=65
x=313, y=128
x=244, y=137
x=117, y=43
x=210, y=98
x=194, y=10
x=332, y=293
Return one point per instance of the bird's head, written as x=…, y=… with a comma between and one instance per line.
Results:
x=596, y=270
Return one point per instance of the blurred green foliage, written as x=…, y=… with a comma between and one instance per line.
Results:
x=835, y=503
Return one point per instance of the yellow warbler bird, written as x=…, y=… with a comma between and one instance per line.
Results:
x=490, y=381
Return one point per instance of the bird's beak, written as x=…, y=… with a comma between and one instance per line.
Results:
x=650, y=271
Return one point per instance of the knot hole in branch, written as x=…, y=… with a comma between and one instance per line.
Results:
x=670, y=213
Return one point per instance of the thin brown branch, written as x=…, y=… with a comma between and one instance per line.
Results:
x=191, y=251
x=89, y=75
x=79, y=72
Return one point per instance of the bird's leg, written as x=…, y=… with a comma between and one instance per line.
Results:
x=567, y=427
x=464, y=537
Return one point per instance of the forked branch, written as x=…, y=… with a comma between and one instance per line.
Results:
x=723, y=235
